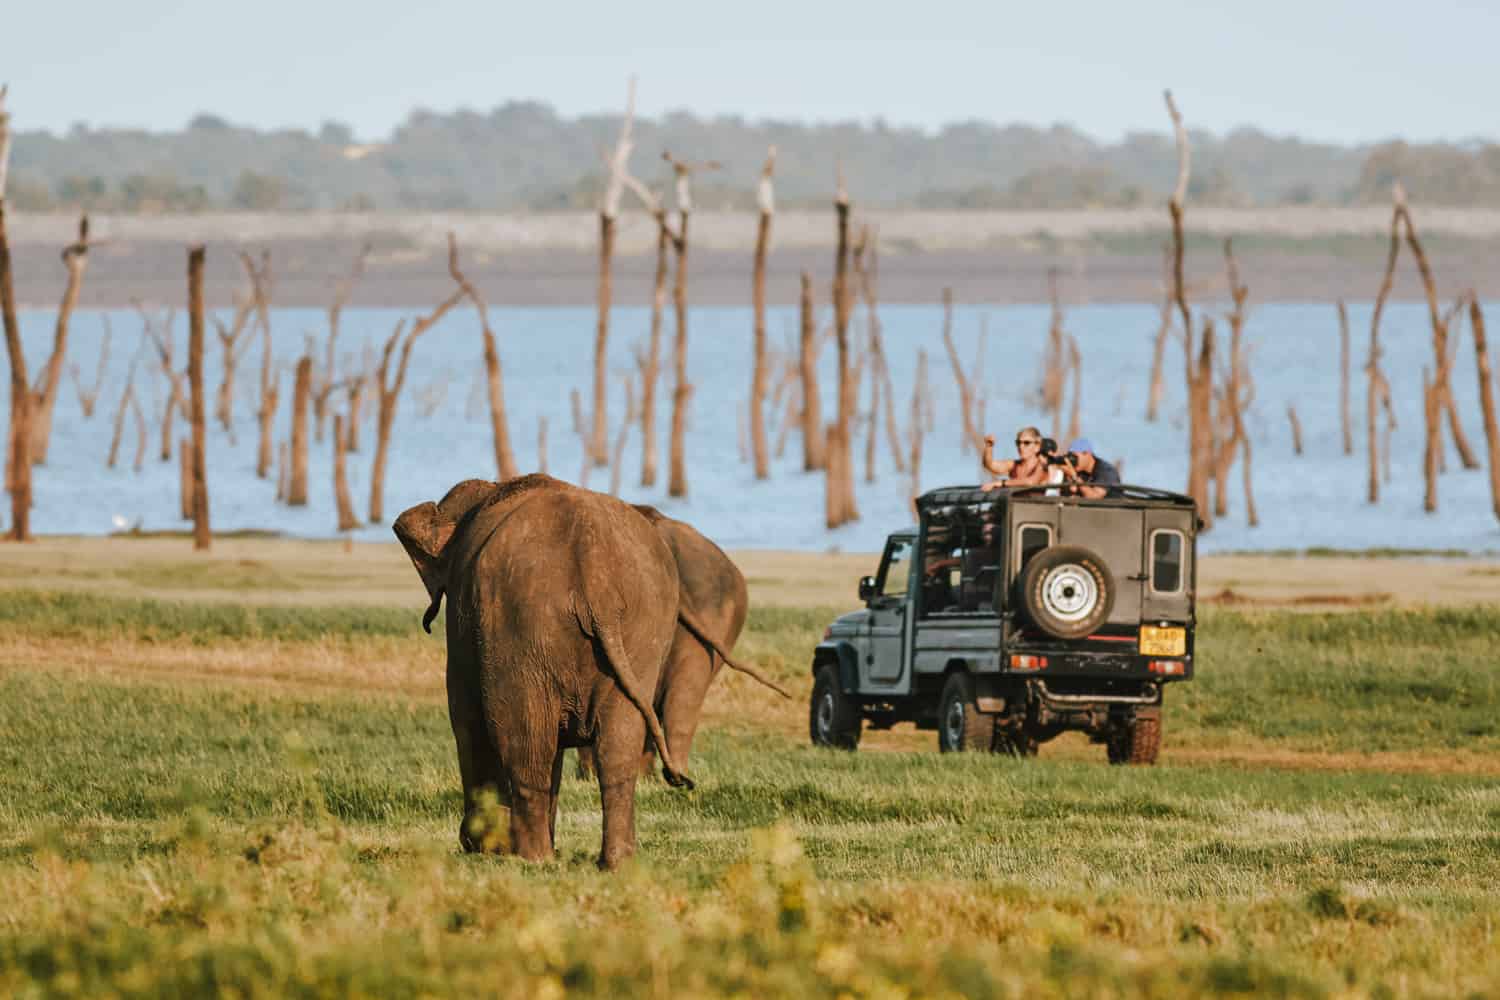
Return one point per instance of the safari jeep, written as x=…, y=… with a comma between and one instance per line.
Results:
x=1005, y=618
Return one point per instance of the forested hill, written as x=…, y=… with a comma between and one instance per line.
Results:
x=524, y=156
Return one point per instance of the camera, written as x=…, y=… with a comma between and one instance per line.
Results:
x=1050, y=455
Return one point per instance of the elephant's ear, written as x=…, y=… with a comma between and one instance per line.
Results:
x=425, y=535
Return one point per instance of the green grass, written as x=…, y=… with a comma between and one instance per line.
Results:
x=165, y=837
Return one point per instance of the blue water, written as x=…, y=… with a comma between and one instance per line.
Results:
x=1317, y=499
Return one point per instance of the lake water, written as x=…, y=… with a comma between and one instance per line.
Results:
x=1317, y=499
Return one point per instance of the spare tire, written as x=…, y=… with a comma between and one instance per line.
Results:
x=1067, y=591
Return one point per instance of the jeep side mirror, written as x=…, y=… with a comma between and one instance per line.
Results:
x=866, y=588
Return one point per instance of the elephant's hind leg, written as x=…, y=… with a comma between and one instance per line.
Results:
x=535, y=770
x=617, y=754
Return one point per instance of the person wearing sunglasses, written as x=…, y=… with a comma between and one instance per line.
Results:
x=1026, y=469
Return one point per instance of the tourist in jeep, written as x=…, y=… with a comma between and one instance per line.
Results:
x=1089, y=473
x=1028, y=468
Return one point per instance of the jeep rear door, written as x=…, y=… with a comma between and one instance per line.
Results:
x=1169, y=569
x=1116, y=536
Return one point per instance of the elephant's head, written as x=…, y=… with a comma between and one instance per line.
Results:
x=426, y=529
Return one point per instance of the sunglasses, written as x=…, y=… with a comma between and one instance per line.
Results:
x=1021, y=441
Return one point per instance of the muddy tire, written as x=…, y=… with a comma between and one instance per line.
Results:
x=1067, y=591
x=833, y=718
x=961, y=725
x=1137, y=743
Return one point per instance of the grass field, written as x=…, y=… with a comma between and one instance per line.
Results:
x=259, y=797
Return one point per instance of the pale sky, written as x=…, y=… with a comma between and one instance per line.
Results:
x=1338, y=70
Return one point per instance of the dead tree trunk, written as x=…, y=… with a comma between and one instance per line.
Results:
x=185, y=478
x=1159, y=346
x=541, y=445
x=814, y=451
x=1296, y=425
x=1199, y=382
x=18, y=453
x=230, y=341
x=296, y=495
x=341, y=297
x=505, y=458
x=1378, y=389
x=270, y=387
x=75, y=258
x=1346, y=428
x=1432, y=440
x=1054, y=362
x=916, y=431
x=597, y=445
x=973, y=437
x=202, y=533
x=1075, y=368
x=389, y=394
x=758, y=298
x=283, y=471
x=840, y=507
x=682, y=390
x=165, y=353
x=119, y=425
x=88, y=397
x=348, y=520
x=651, y=367
x=1441, y=358
x=1486, y=400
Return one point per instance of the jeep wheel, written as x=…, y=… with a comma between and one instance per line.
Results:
x=1067, y=591
x=1137, y=742
x=961, y=726
x=833, y=718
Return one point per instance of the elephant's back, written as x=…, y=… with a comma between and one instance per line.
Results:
x=712, y=585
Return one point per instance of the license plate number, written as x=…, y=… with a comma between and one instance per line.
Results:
x=1157, y=641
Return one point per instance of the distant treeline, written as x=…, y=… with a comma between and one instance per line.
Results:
x=524, y=156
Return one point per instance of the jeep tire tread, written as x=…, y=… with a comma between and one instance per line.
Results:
x=1136, y=743
x=833, y=717
x=961, y=725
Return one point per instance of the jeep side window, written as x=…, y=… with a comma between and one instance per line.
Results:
x=895, y=569
x=1032, y=538
x=1166, y=562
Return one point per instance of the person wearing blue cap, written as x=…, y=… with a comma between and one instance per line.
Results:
x=1085, y=468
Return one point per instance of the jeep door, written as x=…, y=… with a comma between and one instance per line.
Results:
x=889, y=612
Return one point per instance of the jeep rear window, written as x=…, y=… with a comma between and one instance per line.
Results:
x=1034, y=538
x=1166, y=562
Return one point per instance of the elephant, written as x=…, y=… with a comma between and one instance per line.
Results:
x=716, y=602
x=562, y=606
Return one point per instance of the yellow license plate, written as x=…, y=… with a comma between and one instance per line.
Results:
x=1157, y=641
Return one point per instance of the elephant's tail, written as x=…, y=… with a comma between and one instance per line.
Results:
x=700, y=632
x=625, y=676
x=432, y=610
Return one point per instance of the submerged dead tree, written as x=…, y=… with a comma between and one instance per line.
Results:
x=18, y=450
x=88, y=396
x=326, y=383
x=1198, y=372
x=916, y=428
x=650, y=362
x=270, y=387
x=389, y=388
x=1159, y=344
x=1054, y=363
x=505, y=458
x=597, y=444
x=44, y=396
x=348, y=520
x=233, y=343
x=198, y=467
x=1486, y=399
x=159, y=332
x=972, y=437
x=296, y=494
x=1378, y=390
x=682, y=389
x=760, y=373
x=814, y=445
x=839, y=503
x=1346, y=429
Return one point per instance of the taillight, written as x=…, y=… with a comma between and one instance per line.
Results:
x=1169, y=668
x=1027, y=662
